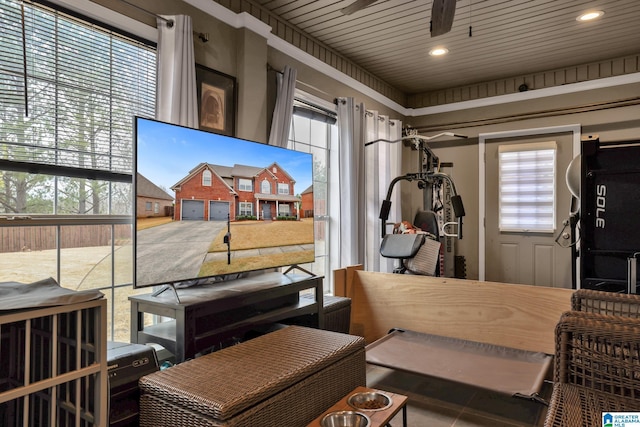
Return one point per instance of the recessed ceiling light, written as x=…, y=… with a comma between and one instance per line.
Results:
x=438, y=51
x=590, y=16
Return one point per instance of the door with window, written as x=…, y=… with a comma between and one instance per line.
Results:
x=526, y=201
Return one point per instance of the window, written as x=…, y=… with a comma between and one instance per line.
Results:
x=147, y=206
x=265, y=187
x=245, y=184
x=283, y=210
x=246, y=208
x=66, y=154
x=527, y=184
x=206, y=178
x=314, y=130
x=283, y=188
x=156, y=207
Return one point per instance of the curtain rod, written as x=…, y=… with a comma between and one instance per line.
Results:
x=270, y=68
x=202, y=36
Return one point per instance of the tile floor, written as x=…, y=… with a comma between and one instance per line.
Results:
x=438, y=403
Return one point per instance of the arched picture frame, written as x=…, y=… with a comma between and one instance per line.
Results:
x=216, y=93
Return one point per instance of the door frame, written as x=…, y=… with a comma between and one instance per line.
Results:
x=482, y=139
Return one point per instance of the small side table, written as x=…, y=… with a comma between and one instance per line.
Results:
x=378, y=418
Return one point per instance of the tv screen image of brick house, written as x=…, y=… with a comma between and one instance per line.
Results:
x=213, y=192
x=238, y=206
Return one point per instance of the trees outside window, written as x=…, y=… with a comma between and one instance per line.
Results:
x=66, y=155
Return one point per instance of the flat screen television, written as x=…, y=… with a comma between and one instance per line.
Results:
x=211, y=207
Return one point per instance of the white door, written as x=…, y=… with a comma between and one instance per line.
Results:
x=527, y=257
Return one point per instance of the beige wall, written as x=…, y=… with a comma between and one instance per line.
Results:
x=252, y=86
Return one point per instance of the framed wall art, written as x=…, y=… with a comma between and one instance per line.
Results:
x=216, y=93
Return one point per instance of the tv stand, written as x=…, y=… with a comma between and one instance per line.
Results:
x=208, y=316
x=166, y=288
x=296, y=266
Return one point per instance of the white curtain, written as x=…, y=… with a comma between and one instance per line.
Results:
x=176, y=100
x=364, y=176
x=351, y=138
x=284, y=107
x=382, y=164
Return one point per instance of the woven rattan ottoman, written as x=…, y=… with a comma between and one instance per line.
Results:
x=284, y=378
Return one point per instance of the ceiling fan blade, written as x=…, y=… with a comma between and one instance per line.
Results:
x=356, y=6
x=442, y=12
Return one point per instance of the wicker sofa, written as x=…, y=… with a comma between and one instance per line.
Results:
x=284, y=378
x=597, y=360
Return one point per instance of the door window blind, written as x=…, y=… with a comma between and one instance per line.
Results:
x=527, y=178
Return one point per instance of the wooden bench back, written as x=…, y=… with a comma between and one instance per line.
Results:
x=517, y=316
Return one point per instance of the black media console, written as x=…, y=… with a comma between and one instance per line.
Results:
x=209, y=316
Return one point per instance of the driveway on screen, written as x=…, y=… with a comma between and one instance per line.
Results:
x=174, y=250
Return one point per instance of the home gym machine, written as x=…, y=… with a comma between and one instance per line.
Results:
x=436, y=186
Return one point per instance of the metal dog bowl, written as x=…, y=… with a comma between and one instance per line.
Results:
x=345, y=419
x=369, y=401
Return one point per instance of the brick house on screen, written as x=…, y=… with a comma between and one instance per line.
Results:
x=151, y=200
x=307, y=203
x=217, y=193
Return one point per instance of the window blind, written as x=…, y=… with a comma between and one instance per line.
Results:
x=84, y=84
x=527, y=176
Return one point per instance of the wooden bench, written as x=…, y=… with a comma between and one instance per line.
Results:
x=454, y=319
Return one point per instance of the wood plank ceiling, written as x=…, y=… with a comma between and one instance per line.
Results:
x=510, y=38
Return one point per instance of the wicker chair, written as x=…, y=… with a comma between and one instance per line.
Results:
x=627, y=305
x=597, y=368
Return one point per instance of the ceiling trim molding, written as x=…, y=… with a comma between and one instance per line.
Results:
x=229, y=17
x=326, y=69
x=533, y=94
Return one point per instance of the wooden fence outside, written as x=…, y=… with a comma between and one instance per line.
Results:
x=20, y=239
